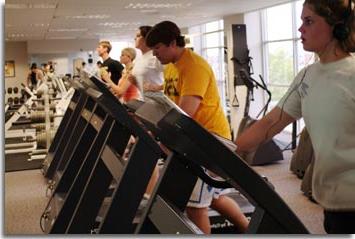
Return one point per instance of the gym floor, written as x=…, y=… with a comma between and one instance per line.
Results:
x=25, y=198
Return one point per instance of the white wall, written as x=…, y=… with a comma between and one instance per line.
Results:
x=254, y=40
x=64, y=52
x=63, y=62
x=60, y=61
x=240, y=91
x=61, y=46
x=17, y=51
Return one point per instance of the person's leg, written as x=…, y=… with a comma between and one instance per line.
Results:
x=199, y=216
x=197, y=207
x=128, y=149
x=153, y=181
x=339, y=222
x=228, y=208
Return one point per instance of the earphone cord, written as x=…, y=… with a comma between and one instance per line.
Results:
x=283, y=104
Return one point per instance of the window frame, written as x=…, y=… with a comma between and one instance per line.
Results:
x=265, y=53
x=201, y=33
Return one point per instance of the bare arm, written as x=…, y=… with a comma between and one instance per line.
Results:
x=263, y=130
x=106, y=76
x=190, y=104
x=132, y=79
x=39, y=75
x=120, y=89
x=148, y=86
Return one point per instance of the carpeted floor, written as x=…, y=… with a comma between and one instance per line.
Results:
x=25, y=198
x=25, y=201
x=288, y=186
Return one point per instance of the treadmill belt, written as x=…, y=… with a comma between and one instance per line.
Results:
x=18, y=162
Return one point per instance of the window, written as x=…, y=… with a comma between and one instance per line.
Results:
x=207, y=40
x=283, y=51
x=283, y=54
x=213, y=39
x=280, y=66
x=279, y=22
x=213, y=26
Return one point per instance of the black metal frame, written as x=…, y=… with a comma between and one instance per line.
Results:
x=69, y=136
x=190, y=146
x=68, y=131
x=196, y=147
x=85, y=181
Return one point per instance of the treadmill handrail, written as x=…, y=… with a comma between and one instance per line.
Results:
x=234, y=169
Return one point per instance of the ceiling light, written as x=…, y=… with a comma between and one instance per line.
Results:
x=157, y=5
x=88, y=17
x=15, y=35
x=16, y=6
x=61, y=38
x=29, y=25
x=151, y=11
x=107, y=34
x=39, y=25
x=18, y=35
x=118, y=24
x=68, y=30
x=100, y=33
x=30, y=5
x=168, y=17
x=42, y=6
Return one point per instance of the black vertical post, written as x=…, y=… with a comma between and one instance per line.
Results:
x=294, y=135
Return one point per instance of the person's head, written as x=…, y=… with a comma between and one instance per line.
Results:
x=33, y=66
x=50, y=65
x=327, y=21
x=45, y=67
x=103, y=48
x=166, y=41
x=128, y=55
x=141, y=34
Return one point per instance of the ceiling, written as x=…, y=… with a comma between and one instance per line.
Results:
x=111, y=19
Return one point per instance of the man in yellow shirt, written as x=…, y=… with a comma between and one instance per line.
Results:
x=191, y=84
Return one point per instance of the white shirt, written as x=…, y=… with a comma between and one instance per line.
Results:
x=148, y=68
x=326, y=100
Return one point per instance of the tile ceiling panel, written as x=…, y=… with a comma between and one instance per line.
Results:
x=118, y=18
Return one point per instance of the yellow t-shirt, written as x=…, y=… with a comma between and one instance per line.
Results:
x=192, y=75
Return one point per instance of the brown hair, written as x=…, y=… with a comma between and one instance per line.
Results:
x=340, y=15
x=165, y=32
x=107, y=45
x=144, y=30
